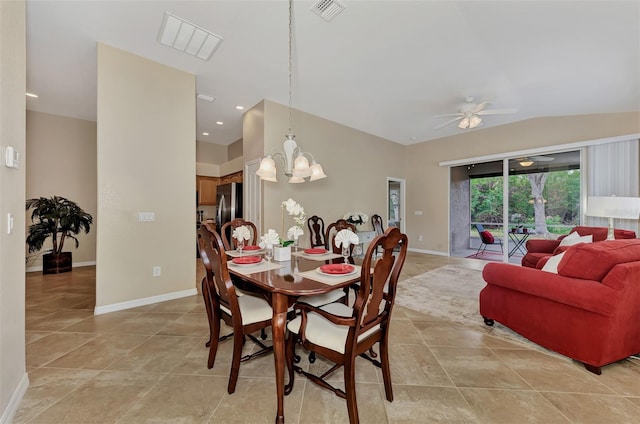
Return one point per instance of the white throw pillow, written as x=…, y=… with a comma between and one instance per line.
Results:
x=572, y=239
x=552, y=263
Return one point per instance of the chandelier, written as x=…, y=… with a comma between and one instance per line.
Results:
x=295, y=162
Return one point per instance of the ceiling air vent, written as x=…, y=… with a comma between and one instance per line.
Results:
x=327, y=9
x=188, y=38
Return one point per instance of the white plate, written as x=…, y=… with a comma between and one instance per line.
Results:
x=336, y=275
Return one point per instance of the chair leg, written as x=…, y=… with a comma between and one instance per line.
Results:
x=238, y=340
x=290, y=351
x=386, y=369
x=350, y=390
x=214, y=339
x=207, y=306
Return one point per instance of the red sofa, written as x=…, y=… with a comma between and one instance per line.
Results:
x=588, y=311
x=541, y=248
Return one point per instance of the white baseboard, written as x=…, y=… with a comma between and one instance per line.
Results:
x=74, y=265
x=14, y=402
x=99, y=310
x=429, y=252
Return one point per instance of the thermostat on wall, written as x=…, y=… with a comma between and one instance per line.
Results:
x=11, y=157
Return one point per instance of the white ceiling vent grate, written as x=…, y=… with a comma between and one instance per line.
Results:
x=188, y=38
x=327, y=9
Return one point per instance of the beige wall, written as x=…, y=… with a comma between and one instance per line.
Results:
x=428, y=183
x=211, y=153
x=61, y=154
x=13, y=376
x=357, y=165
x=234, y=150
x=146, y=151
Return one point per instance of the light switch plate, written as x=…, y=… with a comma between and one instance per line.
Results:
x=146, y=216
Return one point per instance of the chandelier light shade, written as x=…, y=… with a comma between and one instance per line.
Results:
x=295, y=162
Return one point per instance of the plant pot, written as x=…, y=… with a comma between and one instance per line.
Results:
x=282, y=254
x=56, y=263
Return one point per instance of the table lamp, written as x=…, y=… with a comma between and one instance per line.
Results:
x=613, y=207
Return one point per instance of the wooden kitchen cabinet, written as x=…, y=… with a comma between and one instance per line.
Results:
x=236, y=177
x=207, y=188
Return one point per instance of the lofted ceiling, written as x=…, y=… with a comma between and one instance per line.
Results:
x=388, y=68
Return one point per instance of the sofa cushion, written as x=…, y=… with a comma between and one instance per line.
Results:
x=592, y=261
x=551, y=264
x=600, y=233
x=575, y=238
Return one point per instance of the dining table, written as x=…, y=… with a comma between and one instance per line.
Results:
x=282, y=283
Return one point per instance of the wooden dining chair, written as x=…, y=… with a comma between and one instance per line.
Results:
x=245, y=314
x=376, y=222
x=316, y=231
x=341, y=333
x=330, y=236
x=227, y=233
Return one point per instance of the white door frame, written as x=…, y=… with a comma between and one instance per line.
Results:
x=403, y=202
x=252, y=193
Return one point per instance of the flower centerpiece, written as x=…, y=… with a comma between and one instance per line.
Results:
x=297, y=212
x=356, y=218
x=281, y=247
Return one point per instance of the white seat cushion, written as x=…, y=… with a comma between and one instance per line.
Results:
x=253, y=309
x=322, y=299
x=322, y=332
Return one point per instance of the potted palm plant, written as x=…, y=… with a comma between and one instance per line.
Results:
x=60, y=219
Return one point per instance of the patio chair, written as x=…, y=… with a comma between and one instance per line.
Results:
x=486, y=238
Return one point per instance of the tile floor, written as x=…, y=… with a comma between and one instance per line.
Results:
x=148, y=365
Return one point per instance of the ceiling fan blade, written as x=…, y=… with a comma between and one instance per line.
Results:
x=542, y=158
x=497, y=111
x=447, y=123
x=449, y=114
x=480, y=107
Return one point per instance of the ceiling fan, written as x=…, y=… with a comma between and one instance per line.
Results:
x=530, y=160
x=470, y=114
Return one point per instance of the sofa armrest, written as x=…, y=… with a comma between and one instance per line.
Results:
x=584, y=294
x=542, y=245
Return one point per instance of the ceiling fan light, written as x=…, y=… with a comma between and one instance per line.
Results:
x=296, y=180
x=464, y=124
x=475, y=121
x=526, y=163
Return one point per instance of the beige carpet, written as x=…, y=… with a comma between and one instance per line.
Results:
x=451, y=293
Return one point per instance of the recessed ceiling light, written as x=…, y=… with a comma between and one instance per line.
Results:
x=240, y=107
x=188, y=38
x=219, y=122
x=32, y=95
x=206, y=97
x=205, y=133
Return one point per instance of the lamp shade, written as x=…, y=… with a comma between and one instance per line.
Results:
x=614, y=207
x=475, y=121
x=267, y=167
x=464, y=124
x=317, y=173
x=301, y=167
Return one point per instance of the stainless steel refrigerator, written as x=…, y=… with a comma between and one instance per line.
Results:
x=228, y=203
